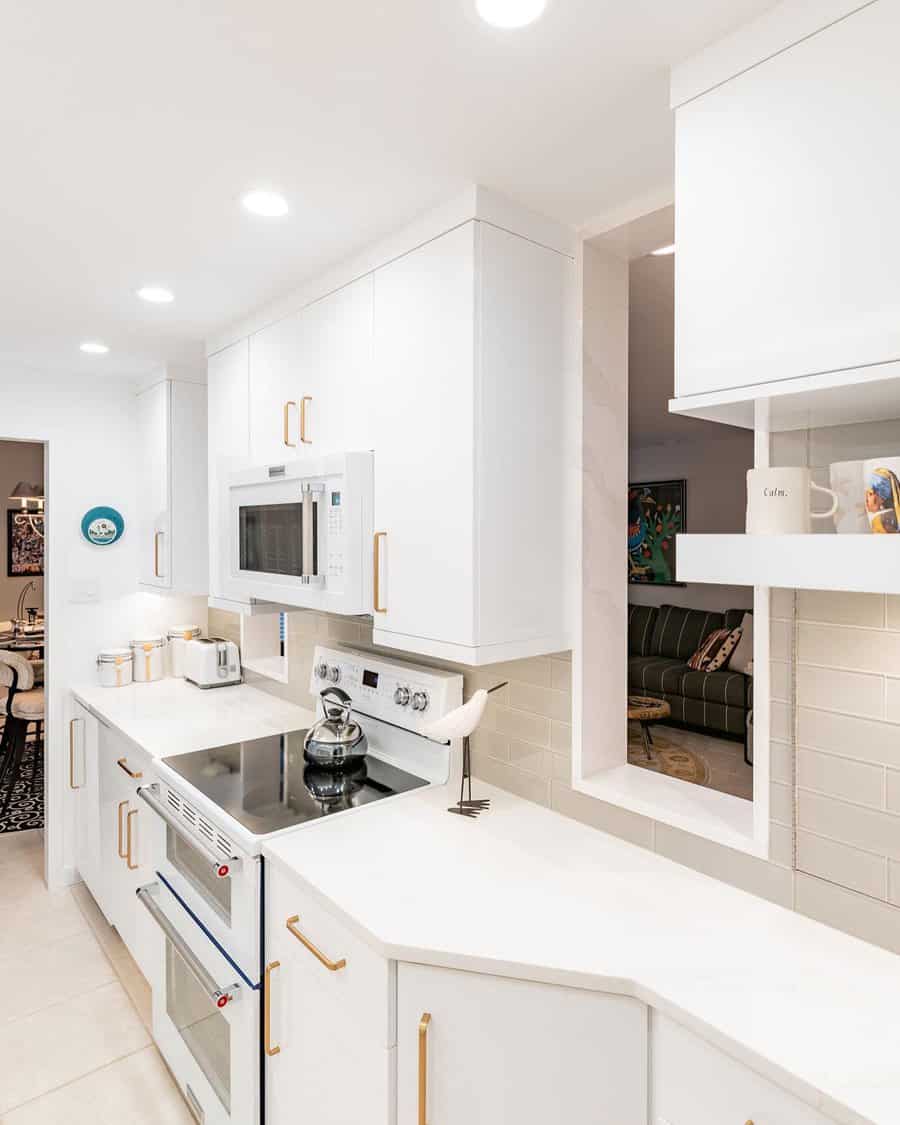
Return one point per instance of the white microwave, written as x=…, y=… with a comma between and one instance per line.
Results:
x=300, y=533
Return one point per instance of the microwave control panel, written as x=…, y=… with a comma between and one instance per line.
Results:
x=334, y=535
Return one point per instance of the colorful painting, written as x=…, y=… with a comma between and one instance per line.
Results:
x=656, y=514
x=24, y=544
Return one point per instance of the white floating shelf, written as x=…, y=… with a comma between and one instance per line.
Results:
x=862, y=563
x=866, y=394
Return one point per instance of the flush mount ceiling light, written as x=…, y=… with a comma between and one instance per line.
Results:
x=269, y=204
x=663, y=250
x=94, y=347
x=510, y=13
x=156, y=295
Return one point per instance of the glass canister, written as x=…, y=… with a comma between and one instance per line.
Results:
x=149, y=658
x=115, y=667
x=178, y=638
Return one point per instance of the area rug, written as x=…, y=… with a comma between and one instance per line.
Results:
x=26, y=809
x=668, y=758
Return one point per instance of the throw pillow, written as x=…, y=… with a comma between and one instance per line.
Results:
x=742, y=657
x=715, y=650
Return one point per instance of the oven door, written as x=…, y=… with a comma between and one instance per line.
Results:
x=205, y=1015
x=209, y=877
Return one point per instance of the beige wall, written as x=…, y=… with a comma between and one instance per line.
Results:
x=19, y=460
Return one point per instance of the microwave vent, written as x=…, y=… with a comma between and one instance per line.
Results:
x=276, y=471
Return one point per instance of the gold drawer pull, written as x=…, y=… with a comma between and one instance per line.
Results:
x=376, y=566
x=122, y=805
x=423, y=1067
x=267, y=1011
x=72, y=723
x=287, y=424
x=122, y=763
x=131, y=866
x=156, y=535
x=303, y=401
x=332, y=965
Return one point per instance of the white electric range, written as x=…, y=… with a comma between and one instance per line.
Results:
x=214, y=809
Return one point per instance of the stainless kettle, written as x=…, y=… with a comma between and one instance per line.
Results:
x=336, y=739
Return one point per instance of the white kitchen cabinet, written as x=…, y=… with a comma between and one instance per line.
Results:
x=172, y=497
x=228, y=444
x=488, y=1050
x=473, y=485
x=310, y=377
x=84, y=786
x=124, y=841
x=694, y=1083
x=785, y=220
x=322, y=1020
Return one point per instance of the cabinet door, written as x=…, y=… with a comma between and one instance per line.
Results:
x=508, y=1052
x=322, y=1021
x=785, y=225
x=423, y=427
x=84, y=784
x=228, y=440
x=154, y=515
x=280, y=377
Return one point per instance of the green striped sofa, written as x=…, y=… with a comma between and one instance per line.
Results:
x=660, y=643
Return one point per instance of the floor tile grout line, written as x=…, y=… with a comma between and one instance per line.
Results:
x=79, y=1078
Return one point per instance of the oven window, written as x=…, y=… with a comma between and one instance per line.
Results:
x=203, y=1027
x=270, y=539
x=198, y=871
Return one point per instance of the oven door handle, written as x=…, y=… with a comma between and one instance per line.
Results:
x=222, y=865
x=218, y=997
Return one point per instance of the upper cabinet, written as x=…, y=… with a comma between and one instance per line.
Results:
x=172, y=506
x=228, y=440
x=785, y=216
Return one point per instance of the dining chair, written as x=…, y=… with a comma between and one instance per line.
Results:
x=22, y=705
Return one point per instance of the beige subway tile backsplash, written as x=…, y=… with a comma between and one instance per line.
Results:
x=892, y=614
x=831, y=689
x=838, y=607
x=858, y=782
x=893, y=792
x=522, y=726
x=540, y=701
x=861, y=871
x=862, y=650
x=781, y=640
x=864, y=739
x=867, y=829
x=781, y=604
x=892, y=700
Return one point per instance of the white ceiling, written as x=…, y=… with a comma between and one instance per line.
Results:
x=129, y=132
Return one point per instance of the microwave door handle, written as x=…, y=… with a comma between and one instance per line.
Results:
x=223, y=865
x=218, y=997
x=309, y=514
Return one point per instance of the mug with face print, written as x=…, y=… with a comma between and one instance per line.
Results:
x=778, y=502
x=847, y=479
x=882, y=494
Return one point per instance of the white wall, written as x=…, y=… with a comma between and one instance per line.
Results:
x=19, y=461
x=89, y=427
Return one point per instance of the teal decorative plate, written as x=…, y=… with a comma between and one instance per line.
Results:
x=102, y=526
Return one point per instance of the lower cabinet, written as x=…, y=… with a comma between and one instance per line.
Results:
x=487, y=1050
x=695, y=1083
x=84, y=790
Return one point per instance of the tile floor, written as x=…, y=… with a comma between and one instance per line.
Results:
x=74, y=1028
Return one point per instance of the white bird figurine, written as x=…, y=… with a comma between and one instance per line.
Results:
x=462, y=723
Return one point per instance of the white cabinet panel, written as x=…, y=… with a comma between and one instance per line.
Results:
x=279, y=369
x=84, y=783
x=785, y=224
x=154, y=510
x=228, y=443
x=693, y=1083
x=511, y=1052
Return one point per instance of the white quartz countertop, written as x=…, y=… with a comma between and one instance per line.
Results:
x=171, y=716
x=525, y=892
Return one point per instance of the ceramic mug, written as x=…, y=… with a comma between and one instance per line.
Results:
x=882, y=494
x=778, y=502
x=847, y=479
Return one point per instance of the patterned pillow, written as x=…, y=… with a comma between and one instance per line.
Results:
x=715, y=650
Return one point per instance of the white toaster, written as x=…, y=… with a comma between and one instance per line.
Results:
x=212, y=662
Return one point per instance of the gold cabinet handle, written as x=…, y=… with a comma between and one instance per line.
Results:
x=128, y=841
x=72, y=723
x=287, y=424
x=376, y=572
x=267, y=1010
x=303, y=401
x=333, y=966
x=122, y=805
x=156, y=535
x=423, y=1067
x=122, y=763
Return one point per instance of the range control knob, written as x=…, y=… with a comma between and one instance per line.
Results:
x=321, y=671
x=334, y=674
x=420, y=701
x=401, y=696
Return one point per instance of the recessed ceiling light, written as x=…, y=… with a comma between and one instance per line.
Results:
x=670, y=249
x=156, y=295
x=510, y=13
x=94, y=347
x=269, y=204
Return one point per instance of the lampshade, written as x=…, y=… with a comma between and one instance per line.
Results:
x=24, y=491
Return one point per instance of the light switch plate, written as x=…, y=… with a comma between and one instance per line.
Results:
x=84, y=590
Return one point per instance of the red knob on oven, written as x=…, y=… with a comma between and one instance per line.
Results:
x=223, y=870
x=222, y=1001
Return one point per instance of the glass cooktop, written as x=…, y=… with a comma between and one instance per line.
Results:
x=266, y=783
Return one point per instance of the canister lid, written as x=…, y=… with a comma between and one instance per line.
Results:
x=115, y=656
x=155, y=641
x=183, y=632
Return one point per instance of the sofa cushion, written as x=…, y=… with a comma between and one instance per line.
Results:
x=679, y=631
x=655, y=675
x=715, y=687
x=641, y=620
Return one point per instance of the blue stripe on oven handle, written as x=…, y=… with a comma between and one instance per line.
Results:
x=223, y=951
